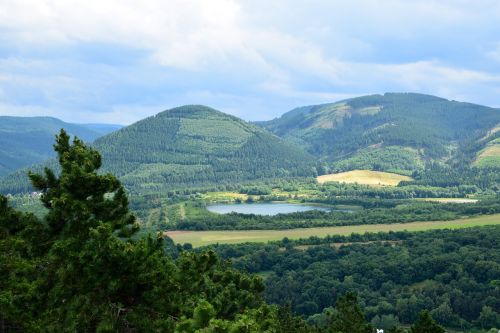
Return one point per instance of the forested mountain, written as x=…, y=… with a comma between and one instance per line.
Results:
x=393, y=132
x=192, y=145
x=189, y=146
x=198, y=146
x=28, y=140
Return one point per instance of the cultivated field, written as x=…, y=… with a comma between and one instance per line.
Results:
x=366, y=177
x=449, y=200
x=201, y=238
x=223, y=196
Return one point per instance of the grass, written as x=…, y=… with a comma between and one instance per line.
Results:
x=366, y=177
x=223, y=196
x=449, y=200
x=490, y=156
x=201, y=238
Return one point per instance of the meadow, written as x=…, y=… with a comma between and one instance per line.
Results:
x=366, y=177
x=202, y=238
x=490, y=156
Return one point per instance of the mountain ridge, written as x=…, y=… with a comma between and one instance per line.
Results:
x=196, y=145
x=408, y=128
x=28, y=140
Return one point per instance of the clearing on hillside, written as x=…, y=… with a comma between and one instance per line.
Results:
x=366, y=177
x=490, y=156
x=202, y=238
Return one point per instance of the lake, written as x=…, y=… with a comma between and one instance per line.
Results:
x=267, y=208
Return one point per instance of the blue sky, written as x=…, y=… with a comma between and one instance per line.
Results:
x=118, y=61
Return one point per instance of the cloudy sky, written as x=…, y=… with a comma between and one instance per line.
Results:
x=118, y=61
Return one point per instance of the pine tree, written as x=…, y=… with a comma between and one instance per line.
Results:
x=80, y=270
x=426, y=324
x=348, y=316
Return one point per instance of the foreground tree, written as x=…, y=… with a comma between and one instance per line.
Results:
x=80, y=270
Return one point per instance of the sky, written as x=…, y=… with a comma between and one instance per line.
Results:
x=118, y=61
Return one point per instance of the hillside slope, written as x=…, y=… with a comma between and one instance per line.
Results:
x=28, y=140
x=196, y=145
x=392, y=132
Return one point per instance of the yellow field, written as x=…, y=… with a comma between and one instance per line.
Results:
x=449, y=200
x=489, y=156
x=201, y=238
x=223, y=196
x=366, y=177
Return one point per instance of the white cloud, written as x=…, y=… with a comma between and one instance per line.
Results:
x=293, y=51
x=495, y=53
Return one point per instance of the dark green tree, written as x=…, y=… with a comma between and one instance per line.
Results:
x=80, y=270
x=18, y=269
x=395, y=329
x=426, y=324
x=348, y=316
x=289, y=323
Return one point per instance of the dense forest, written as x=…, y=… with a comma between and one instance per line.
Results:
x=28, y=140
x=82, y=267
x=391, y=132
x=195, y=146
x=189, y=146
x=453, y=274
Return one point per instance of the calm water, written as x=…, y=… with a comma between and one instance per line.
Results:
x=267, y=208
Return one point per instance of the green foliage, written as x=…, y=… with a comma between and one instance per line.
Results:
x=190, y=146
x=348, y=317
x=196, y=145
x=28, y=140
x=450, y=273
x=425, y=324
x=391, y=159
x=457, y=176
x=489, y=318
x=348, y=131
x=79, y=269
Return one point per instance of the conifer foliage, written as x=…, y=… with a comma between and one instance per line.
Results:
x=80, y=270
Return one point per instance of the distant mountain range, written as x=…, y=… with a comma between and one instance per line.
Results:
x=28, y=140
x=196, y=145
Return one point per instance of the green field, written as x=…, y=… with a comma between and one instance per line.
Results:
x=366, y=177
x=201, y=238
x=490, y=156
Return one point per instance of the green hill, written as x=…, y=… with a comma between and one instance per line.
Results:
x=196, y=145
x=392, y=132
x=28, y=140
x=189, y=146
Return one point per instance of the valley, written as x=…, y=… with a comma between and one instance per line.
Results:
x=368, y=177
x=238, y=166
